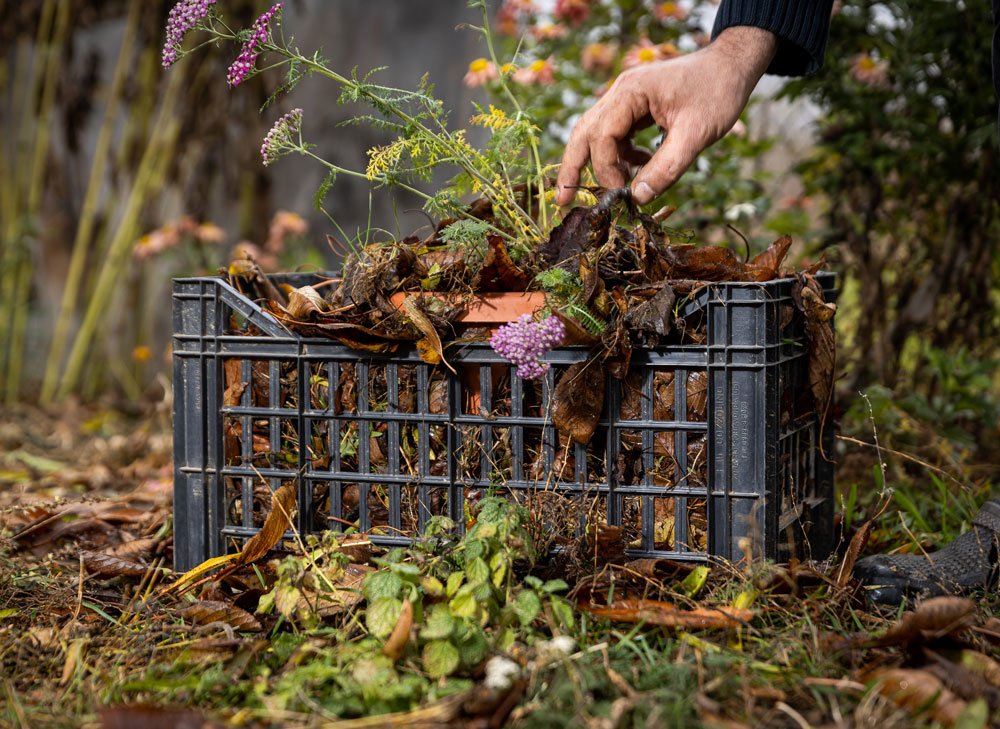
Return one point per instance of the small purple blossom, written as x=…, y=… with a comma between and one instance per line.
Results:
x=525, y=341
x=183, y=16
x=244, y=63
x=281, y=137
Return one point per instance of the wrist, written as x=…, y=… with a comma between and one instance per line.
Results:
x=748, y=48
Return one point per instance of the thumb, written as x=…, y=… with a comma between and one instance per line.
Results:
x=667, y=165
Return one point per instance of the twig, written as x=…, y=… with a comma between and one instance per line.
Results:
x=904, y=456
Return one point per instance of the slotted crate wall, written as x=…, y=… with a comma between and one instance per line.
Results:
x=701, y=450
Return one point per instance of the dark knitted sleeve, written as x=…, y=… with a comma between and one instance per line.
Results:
x=801, y=27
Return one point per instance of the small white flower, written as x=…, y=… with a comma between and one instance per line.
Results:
x=741, y=210
x=501, y=672
x=562, y=645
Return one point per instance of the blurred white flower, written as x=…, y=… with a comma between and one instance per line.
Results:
x=561, y=644
x=501, y=672
x=740, y=210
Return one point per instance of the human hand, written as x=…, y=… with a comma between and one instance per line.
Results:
x=696, y=98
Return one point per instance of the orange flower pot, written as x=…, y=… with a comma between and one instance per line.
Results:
x=486, y=309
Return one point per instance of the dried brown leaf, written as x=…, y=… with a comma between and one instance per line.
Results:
x=578, y=401
x=669, y=615
x=654, y=316
x=305, y=302
x=212, y=611
x=918, y=692
x=108, y=565
x=430, y=348
x=583, y=229
x=395, y=644
x=134, y=549
x=707, y=263
x=499, y=272
x=277, y=522
x=766, y=265
x=933, y=618
x=152, y=717
x=808, y=295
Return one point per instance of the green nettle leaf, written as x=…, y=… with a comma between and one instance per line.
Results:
x=464, y=604
x=499, y=573
x=555, y=586
x=485, y=530
x=473, y=646
x=455, y=580
x=383, y=583
x=563, y=612
x=475, y=548
x=482, y=591
x=441, y=658
x=286, y=598
x=477, y=571
x=432, y=586
x=407, y=571
x=440, y=624
x=382, y=615
x=527, y=605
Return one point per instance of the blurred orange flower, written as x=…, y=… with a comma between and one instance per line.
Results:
x=573, y=11
x=480, y=72
x=537, y=72
x=869, y=70
x=669, y=11
x=549, y=31
x=141, y=354
x=645, y=51
x=598, y=57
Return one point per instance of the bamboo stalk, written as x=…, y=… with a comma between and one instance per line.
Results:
x=30, y=69
x=151, y=171
x=88, y=214
x=11, y=197
x=22, y=292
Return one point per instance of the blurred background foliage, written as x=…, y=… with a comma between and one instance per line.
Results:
x=114, y=177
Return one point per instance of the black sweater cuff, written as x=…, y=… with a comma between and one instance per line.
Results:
x=801, y=27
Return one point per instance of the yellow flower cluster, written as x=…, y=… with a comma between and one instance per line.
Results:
x=496, y=119
x=383, y=159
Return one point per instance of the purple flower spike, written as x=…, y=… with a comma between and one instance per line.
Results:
x=281, y=137
x=244, y=63
x=525, y=341
x=183, y=16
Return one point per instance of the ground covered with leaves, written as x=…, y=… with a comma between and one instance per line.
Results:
x=483, y=630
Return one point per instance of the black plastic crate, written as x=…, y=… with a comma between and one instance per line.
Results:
x=702, y=450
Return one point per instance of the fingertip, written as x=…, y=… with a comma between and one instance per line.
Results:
x=642, y=193
x=565, y=195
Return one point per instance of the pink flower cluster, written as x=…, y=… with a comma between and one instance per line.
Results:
x=244, y=63
x=525, y=341
x=183, y=16
x=280, y=138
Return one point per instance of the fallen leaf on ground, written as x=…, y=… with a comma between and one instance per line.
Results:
x=277, y=522
x=108, y=565
x=212, y=611
x=395, y=644
x=933, y=618
x=918, y=692
x=653, y=612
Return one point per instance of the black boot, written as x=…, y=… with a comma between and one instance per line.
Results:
x=968, y=563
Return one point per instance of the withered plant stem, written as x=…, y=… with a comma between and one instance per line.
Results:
x=88, y=214
x=149, y=177
x=53, y=62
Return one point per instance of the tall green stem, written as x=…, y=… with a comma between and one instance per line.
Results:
x=148, y=178
x=88, y=213
x=31, y=68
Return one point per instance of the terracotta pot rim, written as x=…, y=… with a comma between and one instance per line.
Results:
x=492, y=307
